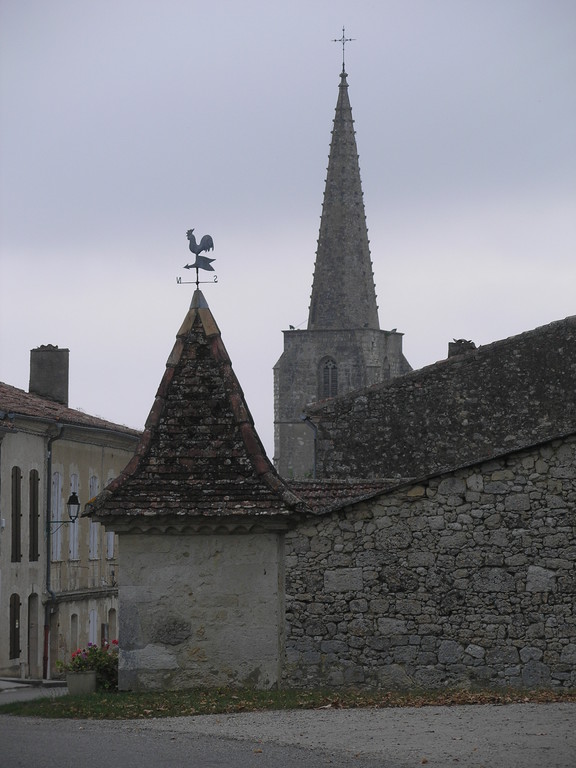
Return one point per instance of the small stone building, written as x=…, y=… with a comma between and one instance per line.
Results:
x=201, y=514
x=462, y=575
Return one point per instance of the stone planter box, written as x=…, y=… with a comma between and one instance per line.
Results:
x=80, y=683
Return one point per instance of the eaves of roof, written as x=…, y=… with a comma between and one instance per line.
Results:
x=17, y=404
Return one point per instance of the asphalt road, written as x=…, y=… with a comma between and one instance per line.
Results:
x=511, y=736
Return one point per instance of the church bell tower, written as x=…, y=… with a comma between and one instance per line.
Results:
x=342, y=349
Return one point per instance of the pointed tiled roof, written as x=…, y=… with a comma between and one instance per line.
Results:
x=343, y=292
x=199, y=454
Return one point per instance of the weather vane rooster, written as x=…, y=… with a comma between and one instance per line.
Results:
x=205, y=244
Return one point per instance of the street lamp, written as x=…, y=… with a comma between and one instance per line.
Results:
x=73, y=505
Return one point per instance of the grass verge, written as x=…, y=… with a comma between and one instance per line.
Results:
x=126, y=706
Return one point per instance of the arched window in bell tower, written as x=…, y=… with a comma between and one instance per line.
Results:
x=328, y=378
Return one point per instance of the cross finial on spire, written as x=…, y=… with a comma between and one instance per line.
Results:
x=343, y=40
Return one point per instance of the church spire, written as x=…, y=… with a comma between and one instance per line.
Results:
x=343, y=291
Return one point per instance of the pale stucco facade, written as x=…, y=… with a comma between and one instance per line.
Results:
x=58, y=580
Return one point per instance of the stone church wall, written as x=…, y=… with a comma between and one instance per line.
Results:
x=465, y=579
x=362, y=356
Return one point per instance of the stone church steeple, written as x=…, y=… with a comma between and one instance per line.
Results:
x=342, y=348
x=343, y=291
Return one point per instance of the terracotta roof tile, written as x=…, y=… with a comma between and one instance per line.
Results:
x=17, y=402
x=323, y=496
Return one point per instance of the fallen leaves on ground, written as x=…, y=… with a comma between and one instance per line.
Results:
x=126, y=706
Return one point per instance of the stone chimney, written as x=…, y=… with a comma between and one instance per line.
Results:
x=459, y=346
x=49, y=373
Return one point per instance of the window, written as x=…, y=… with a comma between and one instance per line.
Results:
x=94, y=527
x=386, y=368
x=93, y=627
x=74, y=528
x=56, y=514
x=93, y=543
x=74, y=631
x=328, y=379
x=14, y=626
x=110, y=535
x=112, y=627
x=16, y=514
x=33, y=516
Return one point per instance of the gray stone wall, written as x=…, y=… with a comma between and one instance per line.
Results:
x=200, y=610
x=466, y=579
x=471, y=407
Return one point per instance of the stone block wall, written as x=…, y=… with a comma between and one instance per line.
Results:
x=467, y=579
x=472, y=407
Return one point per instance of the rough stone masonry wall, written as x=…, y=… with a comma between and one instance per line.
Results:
x=472, y=407
x=466, y=579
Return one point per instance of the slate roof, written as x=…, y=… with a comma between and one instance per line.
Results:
x=16, y=402
x=199, y=454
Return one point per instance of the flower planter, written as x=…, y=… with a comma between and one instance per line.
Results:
x=80, y=683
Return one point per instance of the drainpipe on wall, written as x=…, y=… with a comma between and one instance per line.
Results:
x=2, y=433
x=52, y=595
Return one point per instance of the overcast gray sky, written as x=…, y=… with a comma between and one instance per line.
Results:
x=126, y=122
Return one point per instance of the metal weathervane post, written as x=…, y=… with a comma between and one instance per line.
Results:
x=201, y=262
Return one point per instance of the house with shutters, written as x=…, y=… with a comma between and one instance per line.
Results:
x=58, y=578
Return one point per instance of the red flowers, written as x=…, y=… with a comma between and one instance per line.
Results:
x=103, y=659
